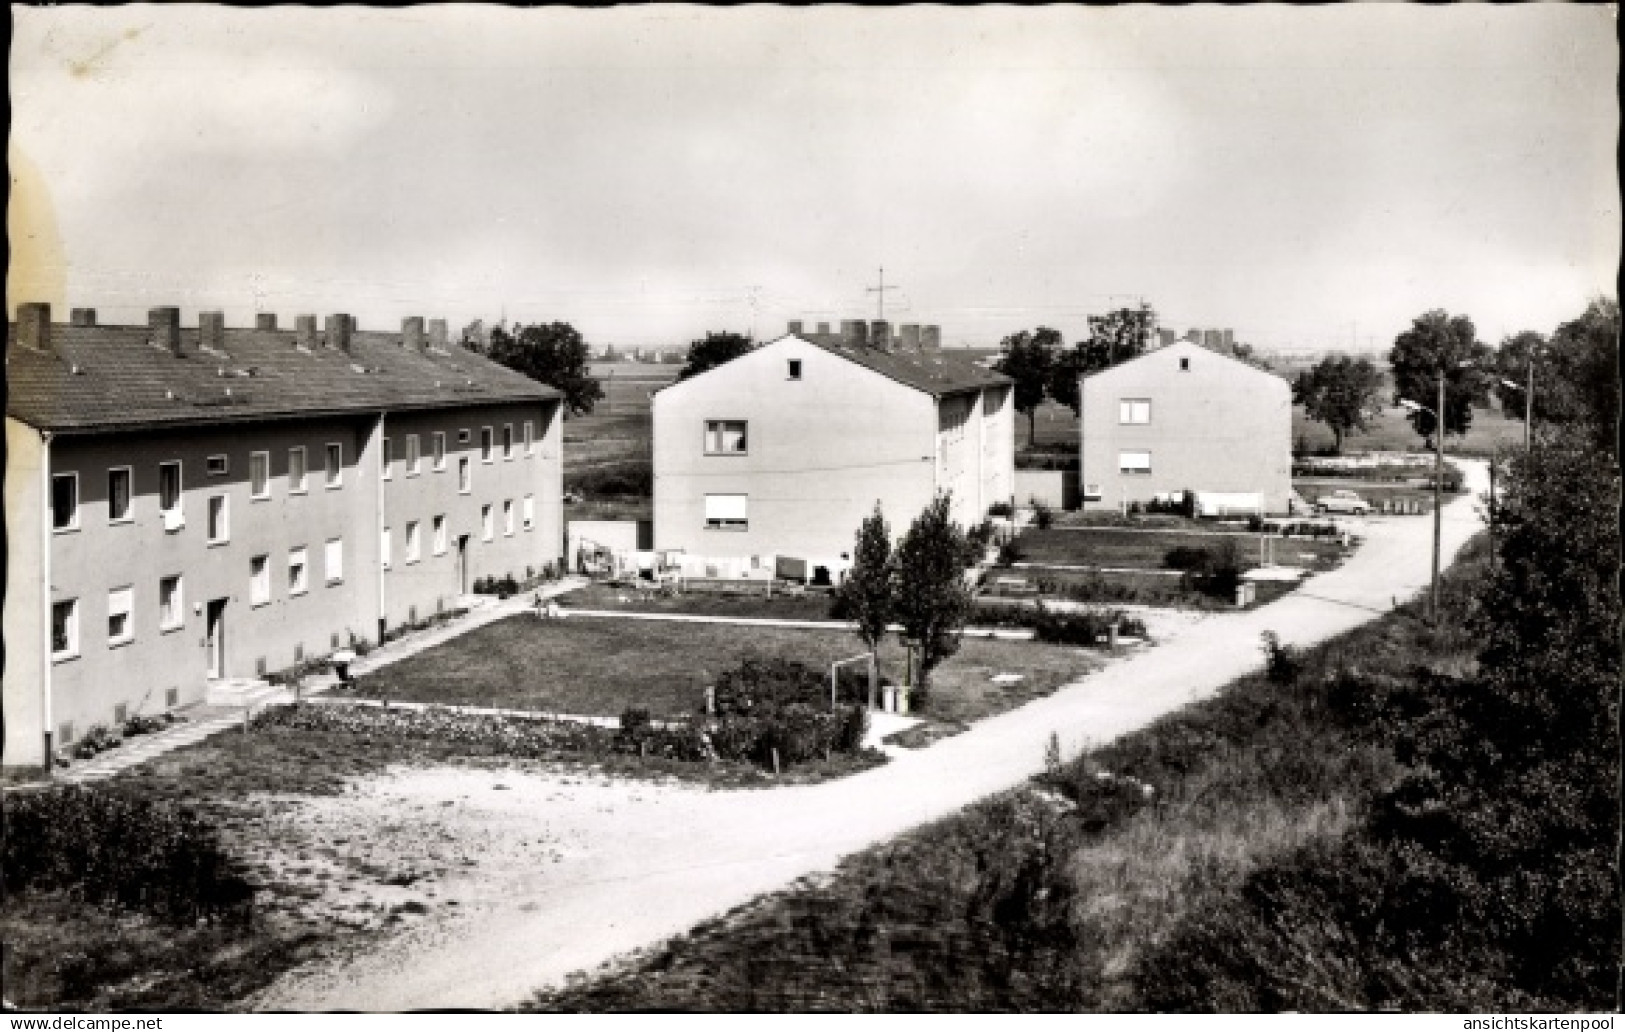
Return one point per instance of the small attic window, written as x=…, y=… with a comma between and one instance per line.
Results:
x=216, y=465
x=795, y=368
x=1184, y=365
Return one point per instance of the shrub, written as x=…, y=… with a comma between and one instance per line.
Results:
x=1043, y=515
x=1070, y=628
x=1282, y=663
x=634, y=478
x=763, y=706
x=99, y=738
x=1011, y=553
x=1003, y=509
x=1186, y=557
x=144, y=724
x=153, y=856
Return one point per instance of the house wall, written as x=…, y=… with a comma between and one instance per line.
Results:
x=99, y=556
x=417, y=589
x=1220, y=425
x=24, y=612
x=822, y=450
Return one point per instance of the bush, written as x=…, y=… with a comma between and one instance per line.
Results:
x=98, y=739
x=102, y=848
x=1011, y=553
x=1043, y=515
x=634, y=478
x=1073, y=628
x=779, y=705
x=1282, y=664
x=1186, y=557
x=1003, y=509
x=143, y=724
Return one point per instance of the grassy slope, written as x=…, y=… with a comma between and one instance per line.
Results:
x=1015, y=903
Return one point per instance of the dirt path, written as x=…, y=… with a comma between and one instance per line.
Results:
x=574, y=871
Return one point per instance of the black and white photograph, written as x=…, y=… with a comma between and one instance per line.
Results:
x=669, y=509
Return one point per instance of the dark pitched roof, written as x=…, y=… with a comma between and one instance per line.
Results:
x=103, y=378
x=929, y=371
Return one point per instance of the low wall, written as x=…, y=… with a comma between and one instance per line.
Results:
x=1056, y=488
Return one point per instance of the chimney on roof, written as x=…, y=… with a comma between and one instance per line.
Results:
x=165, y=324
x=211, y=330
x=265, y=321
x=880, y=335
x=339, y=328
x=34, y=325
x=437, y=334
x=823, y=329
x=412, y=332
x=82, y=317
x=854, y=333
x=304, y=330
x=930, y=338
x=910, y=340
x=795, y=326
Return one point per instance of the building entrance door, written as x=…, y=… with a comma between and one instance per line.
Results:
x=215, y=628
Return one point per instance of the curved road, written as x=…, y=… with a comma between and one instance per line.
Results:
x=669, y=859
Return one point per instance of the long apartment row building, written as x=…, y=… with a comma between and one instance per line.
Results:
x=185, y=505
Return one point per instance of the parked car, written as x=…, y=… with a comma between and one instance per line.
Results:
x=1346, y=502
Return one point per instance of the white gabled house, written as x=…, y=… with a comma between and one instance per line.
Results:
x=772, y=460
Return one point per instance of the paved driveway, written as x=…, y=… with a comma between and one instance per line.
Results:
x=639, y=864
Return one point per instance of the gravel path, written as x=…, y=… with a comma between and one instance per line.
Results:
x=630, y=863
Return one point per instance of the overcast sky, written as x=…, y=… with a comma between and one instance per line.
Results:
x=1307, y=176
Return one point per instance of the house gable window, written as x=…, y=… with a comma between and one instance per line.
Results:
x=259, y=475
x=65, y=629
x=465, y=475
x=1134, y=411
x=216, y=466
x=296, y=470
x=530, y=438
x=298, y=570
x=414, y=455
x=65, y=501
x=528, y=513
x=487, y=445
x=169, y=494
x=438, y=443
x=171, y=603
x=488, y=525
x=219, y=520
x=507, y=517
x=335, y=465
x=727, y=512
x=439, y=535
x=259, y=580
x=795, y=368
x=725, y=437
x=507, y=441
x=334, y=565
x=414, y=542
x=1134, y=463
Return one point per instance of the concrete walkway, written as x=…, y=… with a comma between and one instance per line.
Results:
x=646, y=872
x=765, y=621
x=205, y=719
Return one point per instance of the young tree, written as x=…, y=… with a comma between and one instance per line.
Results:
x=1440, y=342
x=1029, y=359
x=714, y=350
x=1114, y=337
x=552, y=353
x=1341, y=392
x=932, y=598
x=866, y=594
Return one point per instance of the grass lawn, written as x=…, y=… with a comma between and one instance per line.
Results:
x=602, y=666
x=754, y=603
x=1146, y=550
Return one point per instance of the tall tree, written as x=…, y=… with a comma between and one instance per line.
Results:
x=866, y=595
x=553, y=353
x=1436, y=343
x=714, y=350
x=1585, y=375
x=1115, y=337
x=1029, y=360
x=1512, y=369
x=933, y=599
x=1341, y=392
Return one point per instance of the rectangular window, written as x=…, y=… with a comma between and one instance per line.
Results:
x=488, y=523
x=725, y=437
x=169, y=492
x=414, y=456
x=507, y=517
x=384, y=548
x=171, y=603
x=1134, y=463
x=118, y=495
x=507, y=441
x=259, y=580
x=65, y=629
x=65, y=501
x=465, y=475
x=335, y=465
x=216, y=466
x=296, y=470
x=120, y=624
x=462, y=437
x=530, y=438
x=219, y=520
x=333, y=566
x=298, y=570
x=487, y=451
x=727, y=511
x=439, y=535
x=1134, y=411
x=386, y=460
x=439, y=445
x=528, y=514
x=259, y=474
x=414, y=542
x=795, y=368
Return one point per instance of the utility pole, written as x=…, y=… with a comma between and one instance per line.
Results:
x=880, y=311
x=1438, y=479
